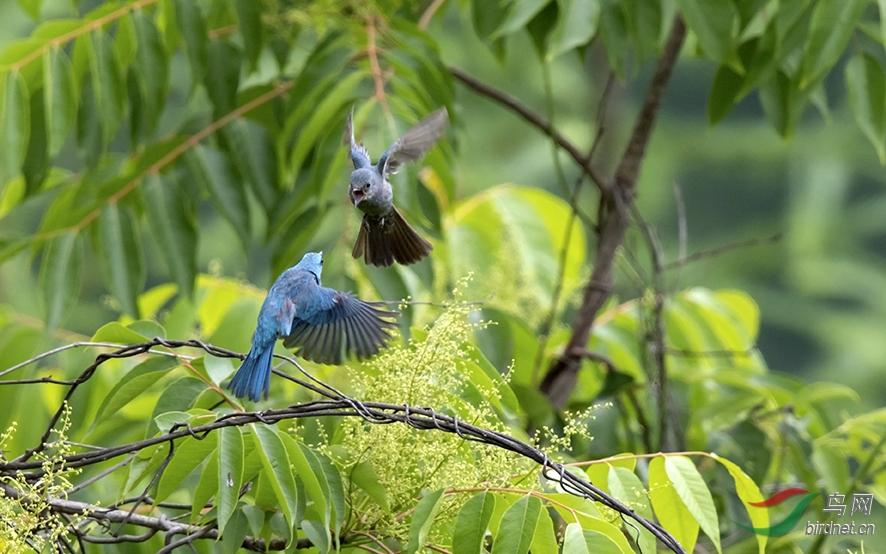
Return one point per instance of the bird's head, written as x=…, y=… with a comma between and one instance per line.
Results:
x=364, y=182
x=313, y=262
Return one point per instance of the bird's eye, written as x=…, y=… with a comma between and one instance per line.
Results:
x=367, y=185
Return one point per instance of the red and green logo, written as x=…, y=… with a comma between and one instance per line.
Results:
x=790, y=520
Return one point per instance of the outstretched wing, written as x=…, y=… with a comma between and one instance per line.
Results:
x=339, y=326
x=359, y=155
x=415, y=142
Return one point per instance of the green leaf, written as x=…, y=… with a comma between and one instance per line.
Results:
x=120, y=255
x=256, y=518
x=615, y=34
x=119, y=333
x=748, y=492
x=829, y=460
x=135, y=382
x=575, y=27
x=544, y=539
x=207, y=487
x=714, y=22
x=174, y=226
x=882, y=5
x=313, y=479
x=167, y=420
x=152, y=69
x=866, y=84
x=670, y=510
x=517, y=527
x=644, y=20
x=251, y=29
x=724, y=91
x=15, y=123
x=90, y=136
x=579, y=541
x=829, y=32
x=317, y=125
x=779, y=103
x=147, y=328
x=275, y=460
x=230, y=473
x=222, y=77
x=423, y=519
x=626, y=486
x=335, y=490
x=317, y=534
x=55, y=28
x=31, y=7
x=196, y=35
x=523, y=229
x=107, y=84
x=36, y=165
x=179, y=395
x=574, y=540
x=252, y=151
x=471, y=523
x=187, y=456
x=519, y=14
x=213, y=171
x=486, y=18
x=234, y=533
x=694, y=493
x=59, y=97
x=60, y=277
x=218, y=369
x=364, y=476
x=125, y=41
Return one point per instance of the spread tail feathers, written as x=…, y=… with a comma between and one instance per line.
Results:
x=254, y=376
x=396, y=240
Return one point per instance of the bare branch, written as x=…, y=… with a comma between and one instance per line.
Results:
x=722, y=249
x=429, y=13
x=613, y=221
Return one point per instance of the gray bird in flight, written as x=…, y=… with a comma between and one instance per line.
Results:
x=385, y=237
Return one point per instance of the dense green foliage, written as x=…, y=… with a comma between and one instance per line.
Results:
x=137, y=137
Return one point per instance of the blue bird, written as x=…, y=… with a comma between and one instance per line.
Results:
x=322, y=325
x=384, y=235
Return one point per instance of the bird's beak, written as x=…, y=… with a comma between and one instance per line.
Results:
x=357, y=196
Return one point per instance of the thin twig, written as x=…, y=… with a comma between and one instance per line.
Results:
x=55, y=351
x=548, y=323
x=99, y=476
x=722, y=249
x=682, y=227
x=375, y=67
x=429, y=13
x=545, y=126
